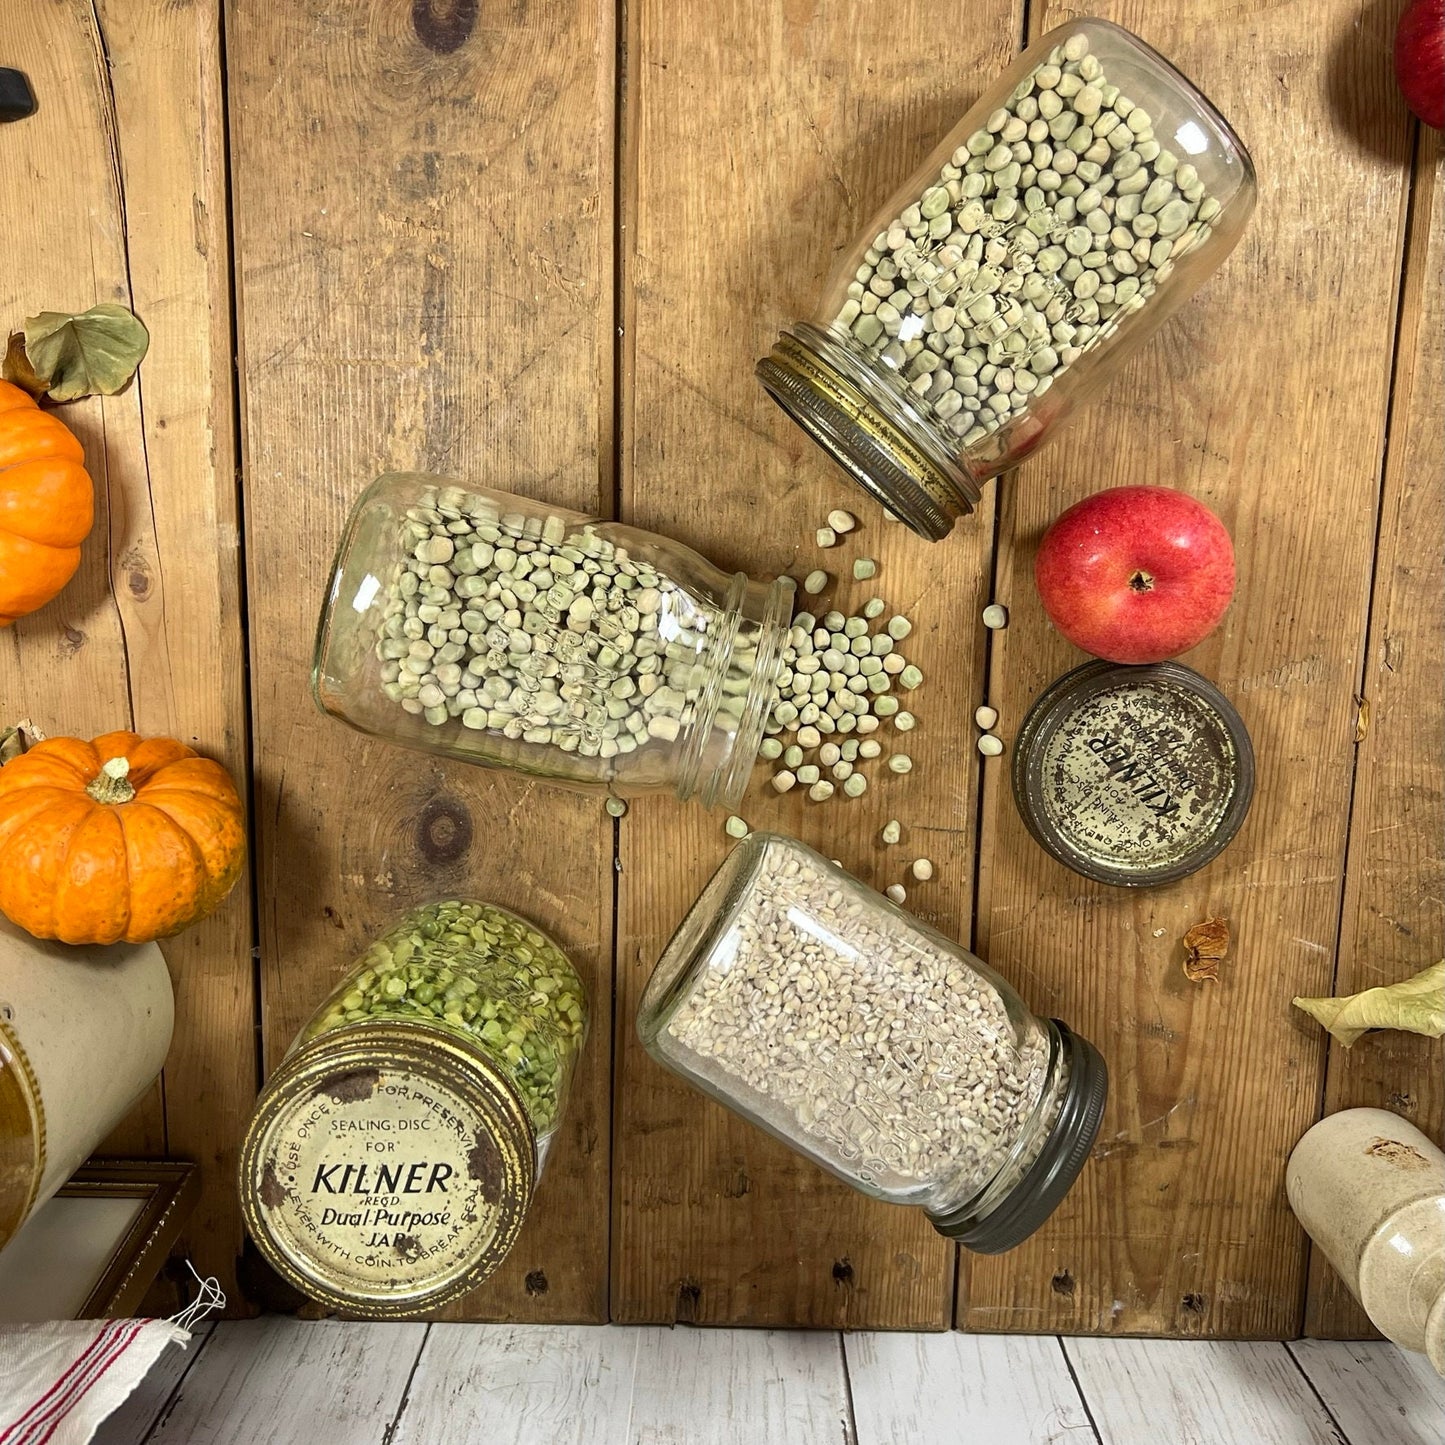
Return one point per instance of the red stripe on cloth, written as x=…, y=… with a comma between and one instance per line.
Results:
x=97, y=1342
x=43, y=1418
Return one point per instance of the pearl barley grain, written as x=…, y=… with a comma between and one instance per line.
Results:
x=897, y=892
x=922, y=869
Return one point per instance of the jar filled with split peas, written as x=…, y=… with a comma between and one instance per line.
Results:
x=892, y=1057
x=1086, y=195
x=392, y=1156
x=504, y=631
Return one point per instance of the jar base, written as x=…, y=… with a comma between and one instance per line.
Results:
x=890, y=450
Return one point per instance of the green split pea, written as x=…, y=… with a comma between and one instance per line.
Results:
x=486, y=974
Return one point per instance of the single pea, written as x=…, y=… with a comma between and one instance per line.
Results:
x=841, y=521
x=616, y=807
x=922, y=869
x=985, y=717
x=897, y=893
x=892, y=831
x=905, y=722
x=990, y=745
x=815, y=582
x=793, y=756
x=873, y=607
x=885, y=706
x=995, y=616
x=864, y=568
x=736, y=827
x=856, y=785
x=910, y=677
x=808, y=774
x=770, y=748
x=827, y=537
x=900, y=763
x=820, y=792
x=899, y=627
x=784, y=780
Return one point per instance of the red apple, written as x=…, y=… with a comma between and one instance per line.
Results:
x=1420, y=59
x=1136, y=574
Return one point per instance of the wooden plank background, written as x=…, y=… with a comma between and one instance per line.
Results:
x=540, y=244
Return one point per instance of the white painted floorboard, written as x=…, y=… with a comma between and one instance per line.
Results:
x=954, y=1389
x=515, y=1384
x=1379, y=1395
x=1198, y=1392
x=293, y=1382
x=288, y=1382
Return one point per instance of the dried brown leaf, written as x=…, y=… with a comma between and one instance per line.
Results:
x=18, y=370
x=1205, y=945
x=1362, y=718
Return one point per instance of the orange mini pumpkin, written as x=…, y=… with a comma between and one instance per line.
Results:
x=47, y=504
x=120, y=838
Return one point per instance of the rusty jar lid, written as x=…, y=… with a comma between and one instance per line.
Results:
x=387, y=1168
x=1133, y=776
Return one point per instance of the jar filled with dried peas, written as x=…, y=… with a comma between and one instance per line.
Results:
x=499, y=630
x=1087, y=194
x=392, y=1157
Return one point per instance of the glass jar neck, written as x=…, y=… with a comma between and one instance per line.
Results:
x=870, y=430
x=740, y=660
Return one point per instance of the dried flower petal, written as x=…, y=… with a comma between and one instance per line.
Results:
x=1205, y=945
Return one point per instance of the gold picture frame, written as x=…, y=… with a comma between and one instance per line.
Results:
x=118, y=1250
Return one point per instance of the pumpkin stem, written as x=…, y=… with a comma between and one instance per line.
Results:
x=110, y=784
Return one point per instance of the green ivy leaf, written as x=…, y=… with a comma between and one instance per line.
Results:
x=94, y=353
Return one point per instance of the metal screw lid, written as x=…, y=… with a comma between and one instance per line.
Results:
x=449, y=1159
x=1133, y=776
x=1052, y=1174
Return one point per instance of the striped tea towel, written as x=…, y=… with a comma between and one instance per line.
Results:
x=58, y=1381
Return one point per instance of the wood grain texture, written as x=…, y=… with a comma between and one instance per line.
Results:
x=1198, y=1392
x=757, y=142
x=423, y=247
x=1379, y=1394
x=145, y=1406
x=1264, y=397
x=952, y=1389
x=1394, y=919
x=516, y=1384
x=293, y=1382
x=768, y=1387
x=128, y=153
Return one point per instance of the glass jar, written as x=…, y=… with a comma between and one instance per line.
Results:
x=507, y=632
x=1369, y=1188
x=1087, y=194
x=813, y=1007
x=392, y=1156
x=83, y=1034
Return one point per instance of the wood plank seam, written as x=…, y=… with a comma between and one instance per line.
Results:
x=1078, y=1385
x=1314, y=1390
x=389, y=1434
x=169, y=1403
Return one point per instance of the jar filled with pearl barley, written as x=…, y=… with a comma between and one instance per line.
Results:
x=507, y=632
x=1087, y=194
x=894, y=1058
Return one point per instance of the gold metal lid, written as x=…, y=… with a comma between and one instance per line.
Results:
x=387, y=1168
x=881, y=442
x=22, y=1135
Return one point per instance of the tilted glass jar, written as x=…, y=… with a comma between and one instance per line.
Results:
x=1089, y=191
x=894, y=1058
x=392, y=1156
x=503, y=631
